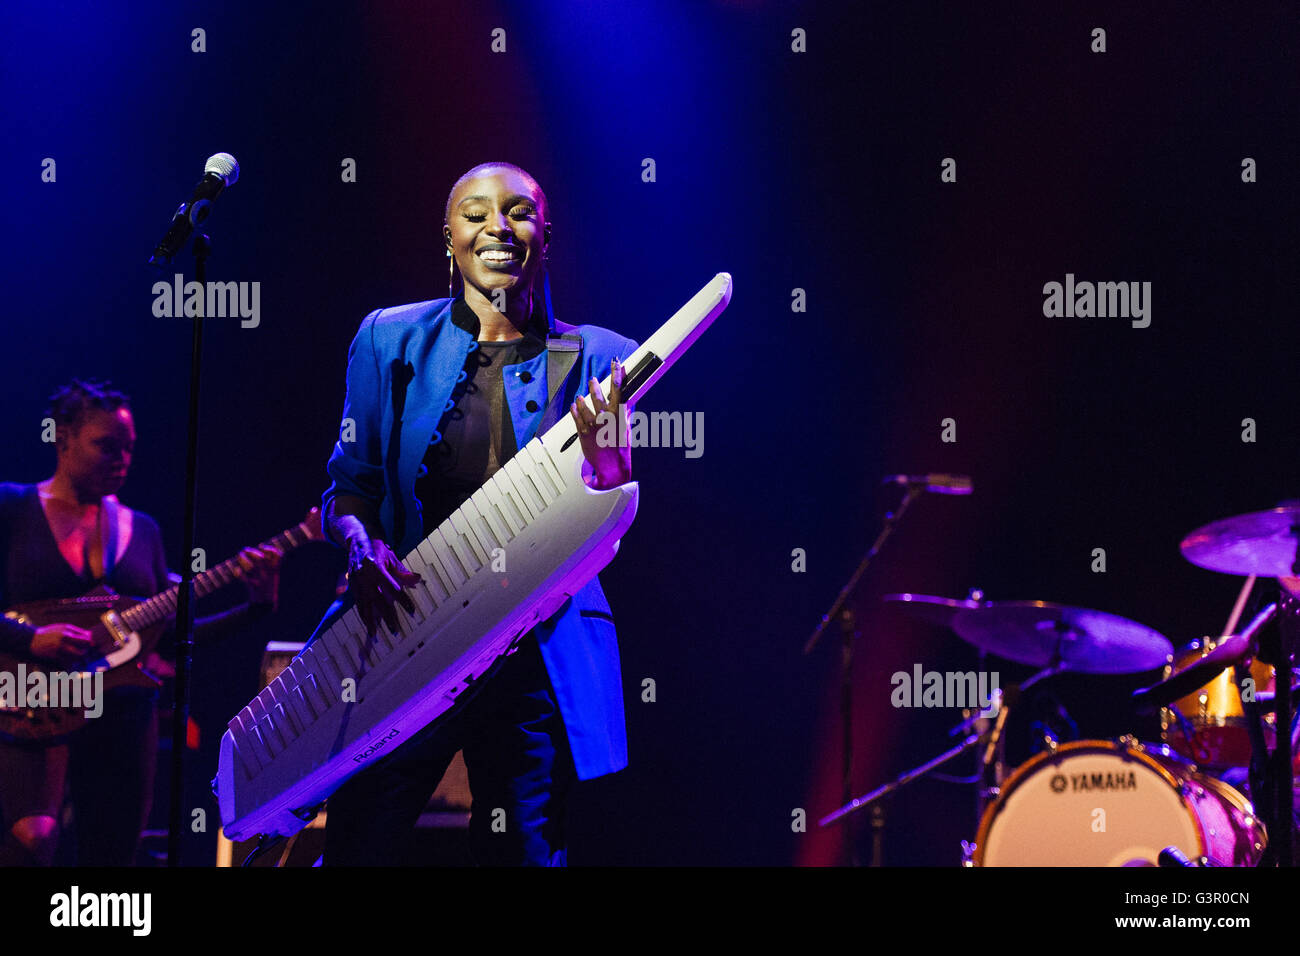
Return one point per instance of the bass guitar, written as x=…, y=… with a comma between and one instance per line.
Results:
x=123, y=631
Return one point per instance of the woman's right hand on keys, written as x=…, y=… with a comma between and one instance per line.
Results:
x=376, y=579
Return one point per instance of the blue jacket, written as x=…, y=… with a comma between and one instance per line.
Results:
x=402, y=366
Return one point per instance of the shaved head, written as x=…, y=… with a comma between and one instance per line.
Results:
x=483, y=168
x=497, y=233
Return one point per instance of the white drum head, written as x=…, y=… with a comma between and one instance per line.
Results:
x=1093, y=803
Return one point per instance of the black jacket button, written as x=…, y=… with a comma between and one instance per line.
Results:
x=532, y=406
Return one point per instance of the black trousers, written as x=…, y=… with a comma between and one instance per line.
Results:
x=108, y=767
x=520, y=775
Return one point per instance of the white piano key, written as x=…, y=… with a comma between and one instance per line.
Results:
x=463, y=520
x=254, y=750
x=302, y=706
x=492, y=518
x=537, y=477
x=518, y=472
x=286, y=720
x=289, y=719
x=370, y=649
x=242, y=755
x=413, y=561
x=360, y=646
x=331, y=667
x=465, y=551
x=546, y=466
x=506, y=513
x=253, y=734
x=486, y=535
x=424, y=603
x=271, y=735
x=518, y=507
x=305, y=669
x=438, y=581
x=448, y=559
x=408, y=625
x=338, y=642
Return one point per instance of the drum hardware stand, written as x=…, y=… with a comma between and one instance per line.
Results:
x=1271, y=776
x=986, y=789
x=992, y=741
x=1258, y=770
x=1189, y=731
x=993, y=759
x=1194, y=742
x=988, y=781
x=877, y=835
x=1274, y=773
x=1284, y=777
x=993, y=762
x=848, y=632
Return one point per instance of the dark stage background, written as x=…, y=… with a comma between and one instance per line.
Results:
x=816, y=170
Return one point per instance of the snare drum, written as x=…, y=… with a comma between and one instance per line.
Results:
x=1115, y=803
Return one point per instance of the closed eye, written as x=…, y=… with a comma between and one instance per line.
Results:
x=516, y=214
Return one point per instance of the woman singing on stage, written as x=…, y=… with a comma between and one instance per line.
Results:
x=440, y=394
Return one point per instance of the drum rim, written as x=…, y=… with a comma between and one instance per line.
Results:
x=1235, y=797
x=1136, y=748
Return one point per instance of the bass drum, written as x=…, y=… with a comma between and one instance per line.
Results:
x=1115, y=803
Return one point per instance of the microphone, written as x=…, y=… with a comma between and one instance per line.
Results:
x=220, y=171
x=939, y=484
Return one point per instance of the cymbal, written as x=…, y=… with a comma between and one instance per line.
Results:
x=1040, y=634
x=1262, y=543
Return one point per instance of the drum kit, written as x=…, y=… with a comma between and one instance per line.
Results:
x=1124, y=802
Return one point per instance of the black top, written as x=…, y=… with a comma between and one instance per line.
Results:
x=33, y=569
x=476, y=436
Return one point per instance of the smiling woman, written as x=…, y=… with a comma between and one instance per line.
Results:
x=498, y=234
x=442, y=394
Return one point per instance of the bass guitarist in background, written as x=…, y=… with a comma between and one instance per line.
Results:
x=59, y=539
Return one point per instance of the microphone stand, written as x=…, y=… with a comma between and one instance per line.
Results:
x=848, y=631
x=870, y=799
x=185, y=598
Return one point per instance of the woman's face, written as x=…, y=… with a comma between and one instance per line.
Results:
x=97, y=456
x=496, y=230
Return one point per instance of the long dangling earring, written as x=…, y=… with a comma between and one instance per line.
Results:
x=451, y=276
